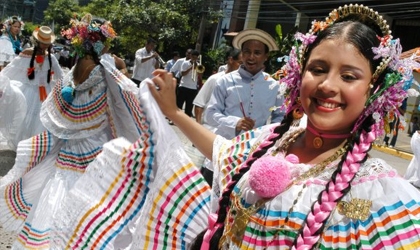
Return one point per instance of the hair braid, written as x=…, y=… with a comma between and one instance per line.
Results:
x=225, y=198
x=336, y=188
x=49, y=60
x=31, y=76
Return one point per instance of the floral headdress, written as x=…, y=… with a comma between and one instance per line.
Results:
x=10, y=20
x=387, y=96
x=86, y=34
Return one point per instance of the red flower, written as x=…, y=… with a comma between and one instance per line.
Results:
x=39, y=59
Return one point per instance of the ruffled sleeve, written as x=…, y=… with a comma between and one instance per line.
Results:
x=12, y=110
x=393, y=212
x=6, y=50
x=145, y=195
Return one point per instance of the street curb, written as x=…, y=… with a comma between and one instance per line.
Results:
x=393, y=151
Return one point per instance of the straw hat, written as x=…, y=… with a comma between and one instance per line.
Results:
x=254, y=34
x=44, y=35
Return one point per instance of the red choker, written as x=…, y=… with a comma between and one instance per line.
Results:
x=318, y=142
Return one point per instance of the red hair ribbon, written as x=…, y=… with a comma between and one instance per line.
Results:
x=30, y=70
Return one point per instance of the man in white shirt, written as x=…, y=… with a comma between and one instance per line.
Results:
x=188, y=86
x=234, y=60
x=145, y=62
x=176, y=68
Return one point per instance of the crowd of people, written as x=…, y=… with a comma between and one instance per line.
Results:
x=288, y=164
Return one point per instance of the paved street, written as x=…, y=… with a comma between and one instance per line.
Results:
x=389, y=155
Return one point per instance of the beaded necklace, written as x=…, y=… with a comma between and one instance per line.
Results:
x=240, y=215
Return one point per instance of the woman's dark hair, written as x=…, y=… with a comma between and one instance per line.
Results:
x=31, y=76
x=363, y=38
x=232, y=52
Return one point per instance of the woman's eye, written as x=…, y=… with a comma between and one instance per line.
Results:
x=317, y=70
x=348, y=77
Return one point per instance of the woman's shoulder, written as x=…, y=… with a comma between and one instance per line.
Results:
x=27, y=52
x=376, y=169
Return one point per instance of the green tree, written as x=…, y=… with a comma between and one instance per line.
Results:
x=60, y=12
x=173, y=22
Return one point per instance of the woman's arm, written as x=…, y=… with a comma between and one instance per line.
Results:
x=201, y=137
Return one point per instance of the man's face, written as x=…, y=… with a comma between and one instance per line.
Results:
x=188, y=54
x=150, y=46
x=254, y=55
x=234, y=64
x=194, y=58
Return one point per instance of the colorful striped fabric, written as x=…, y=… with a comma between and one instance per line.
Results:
x=177, y=207
x=33, y=239
x=237, y=154
x=41, y=146
x=76, y=161
x=15, y=201
x=79, y=113
x=151, y=187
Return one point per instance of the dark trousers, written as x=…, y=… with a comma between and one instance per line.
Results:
x=186, y=95
x=137, y=82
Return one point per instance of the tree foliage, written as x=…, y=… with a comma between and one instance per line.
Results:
x=60, y=12
x=174, y=23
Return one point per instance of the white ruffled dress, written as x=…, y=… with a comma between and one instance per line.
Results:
x=149, y=195
x=17, y=70
x=47, y=165
x=6, y=50
x=12, y=110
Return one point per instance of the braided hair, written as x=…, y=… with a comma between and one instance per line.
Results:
x=31, y=76
x=363, y=37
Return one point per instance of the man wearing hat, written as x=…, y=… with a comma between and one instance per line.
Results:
x=37, y=70
x=242, y=100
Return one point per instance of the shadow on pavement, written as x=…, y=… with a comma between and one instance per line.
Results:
x=7, y=159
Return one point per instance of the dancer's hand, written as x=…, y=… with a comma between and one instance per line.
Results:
x=245, y=124
x=165, y=94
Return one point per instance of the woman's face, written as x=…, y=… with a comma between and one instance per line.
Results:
x=15, y=28
x=335, y=86
x=254, y=56
x=43, y=47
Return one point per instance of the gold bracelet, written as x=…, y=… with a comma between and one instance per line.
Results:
x=124, y=70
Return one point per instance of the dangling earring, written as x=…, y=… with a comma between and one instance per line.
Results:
x=297, y=113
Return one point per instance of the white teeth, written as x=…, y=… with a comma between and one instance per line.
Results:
x=327, y=104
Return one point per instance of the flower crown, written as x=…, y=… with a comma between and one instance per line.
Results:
x=387, y=96
x=86, y=34
x=10, y=20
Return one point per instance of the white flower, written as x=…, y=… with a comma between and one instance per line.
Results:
x=412, y=92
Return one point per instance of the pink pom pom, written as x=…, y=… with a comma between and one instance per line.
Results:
x=269, y=176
